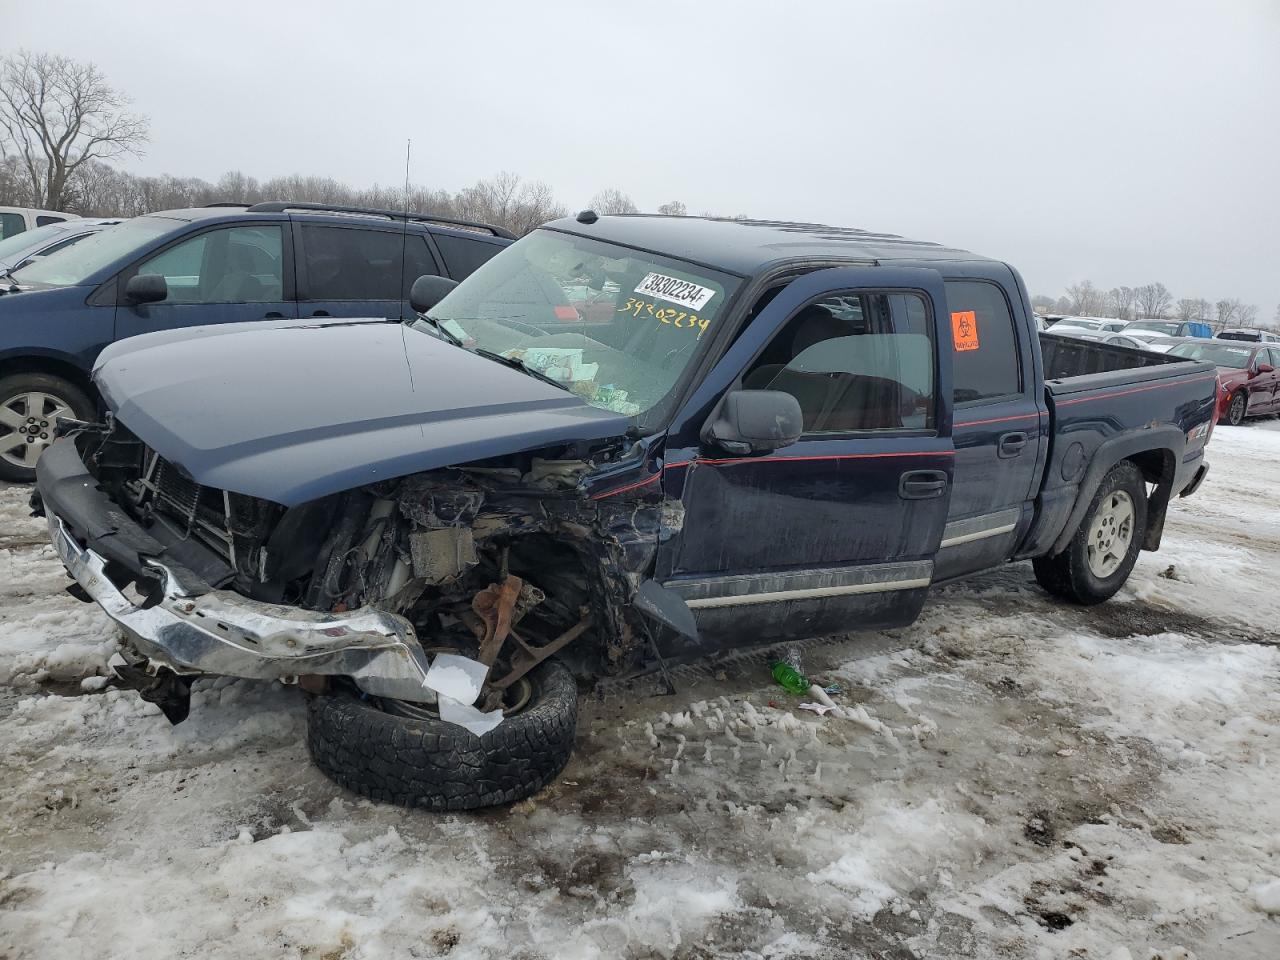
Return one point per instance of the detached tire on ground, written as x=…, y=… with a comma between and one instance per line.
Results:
x=422, y=761
x=29, y=405
x=1102, y=553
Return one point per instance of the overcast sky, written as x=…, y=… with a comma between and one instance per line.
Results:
x=1123, y=141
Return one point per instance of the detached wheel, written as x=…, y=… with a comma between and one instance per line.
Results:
x=29, y=405
x=1238, y=407
x=404, y=754
x=1102, y=553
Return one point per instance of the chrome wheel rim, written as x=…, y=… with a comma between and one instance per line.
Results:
x=26, y=425
x=1110, y=534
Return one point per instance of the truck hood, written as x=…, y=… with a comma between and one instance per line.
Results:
x=292, y=411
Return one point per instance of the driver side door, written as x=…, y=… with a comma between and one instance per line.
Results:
x=839, y=530
x=221, y=275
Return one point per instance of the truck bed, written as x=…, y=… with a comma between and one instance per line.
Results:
x=1073, y=357
x=1073, y=367
x=1104, y=403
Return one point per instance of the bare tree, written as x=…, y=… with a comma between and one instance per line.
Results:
x=611, y=201
x=673, y=209
x=1248, y=315
x=58, y=115
x=1085, y=299
x=1227, y=311
x=1154, y=300
x=509, y=202
x=1188, y=309
x=1120, y=302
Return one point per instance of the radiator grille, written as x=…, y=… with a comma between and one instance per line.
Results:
x=234, y=525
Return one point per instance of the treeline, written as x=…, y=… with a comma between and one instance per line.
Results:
x=97, y=189
x=1151, y=301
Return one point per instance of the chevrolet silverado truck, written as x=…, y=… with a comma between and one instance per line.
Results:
x=438, y=527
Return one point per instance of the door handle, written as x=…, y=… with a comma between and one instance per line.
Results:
x=320, y=313
x=922, y=484
x=1011, y=445
x=273, y=316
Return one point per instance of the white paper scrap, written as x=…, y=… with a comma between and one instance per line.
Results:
x=455, y=676
x=465, y=715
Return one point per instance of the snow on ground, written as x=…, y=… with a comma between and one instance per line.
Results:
x=1021, y=779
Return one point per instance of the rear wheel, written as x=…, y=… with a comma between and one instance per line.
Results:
x=1238, y=407
x=30, y=404
x=405, y=754
x=1101, y=555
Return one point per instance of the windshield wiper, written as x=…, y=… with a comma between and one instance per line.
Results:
x=437, y=325
x=517, y=364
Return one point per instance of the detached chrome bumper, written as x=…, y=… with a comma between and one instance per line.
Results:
x=222, y=633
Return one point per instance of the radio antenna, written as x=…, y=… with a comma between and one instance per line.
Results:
x=404, y=233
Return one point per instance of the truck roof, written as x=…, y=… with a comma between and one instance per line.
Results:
x=746, y=247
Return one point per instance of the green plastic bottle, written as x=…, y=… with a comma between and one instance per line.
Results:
x=790, y=679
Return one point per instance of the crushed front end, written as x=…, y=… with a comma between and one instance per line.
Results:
x=505, y=562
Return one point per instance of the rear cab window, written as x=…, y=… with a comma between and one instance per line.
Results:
x=987, y=363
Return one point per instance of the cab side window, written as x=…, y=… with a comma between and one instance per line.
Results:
x=231, y=265
x=11, y=224
x=855, y=362
x=986, y=361
x=463, y=256
x=347, y=263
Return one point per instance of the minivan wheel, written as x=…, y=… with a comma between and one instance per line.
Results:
x=406, y=755
x=30, y=403
x=1236, y=411
x=1101, y=555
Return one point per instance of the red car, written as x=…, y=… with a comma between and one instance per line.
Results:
x=1247, y=371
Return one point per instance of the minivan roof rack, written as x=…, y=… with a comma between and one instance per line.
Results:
x=227, y=203
x=281, y=206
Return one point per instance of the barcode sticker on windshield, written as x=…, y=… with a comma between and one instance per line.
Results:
x=675, y=290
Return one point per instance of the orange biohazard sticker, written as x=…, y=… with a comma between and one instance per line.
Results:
x=964, y=330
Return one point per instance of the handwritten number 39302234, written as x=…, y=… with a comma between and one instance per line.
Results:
x=677, y=318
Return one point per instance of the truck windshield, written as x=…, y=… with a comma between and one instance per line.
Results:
x=80, y=261
x=613, y=325
x=1168, y=327
x=1216, y=353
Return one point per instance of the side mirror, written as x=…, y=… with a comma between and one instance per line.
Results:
x=756, y=421
x=427, y=291
x=1265, y=368
x=146, y=288
x=660, y=605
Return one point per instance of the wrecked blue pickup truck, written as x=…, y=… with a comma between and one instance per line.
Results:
x=622, y=441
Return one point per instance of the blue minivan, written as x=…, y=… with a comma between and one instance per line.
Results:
x=211, y=265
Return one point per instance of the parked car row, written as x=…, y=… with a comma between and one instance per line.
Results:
x=1247, y=359
x=183, y=268
x=1248, y=372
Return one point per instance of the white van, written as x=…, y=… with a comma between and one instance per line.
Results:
x=14, y=220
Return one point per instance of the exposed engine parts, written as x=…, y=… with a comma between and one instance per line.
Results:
x=506, y=563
